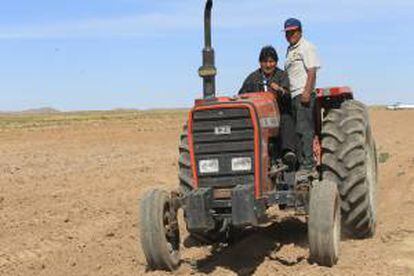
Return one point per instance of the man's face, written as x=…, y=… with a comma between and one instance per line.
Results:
x=293, y=36
x=268, y=66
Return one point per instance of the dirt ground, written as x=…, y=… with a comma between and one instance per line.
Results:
x=69, y=194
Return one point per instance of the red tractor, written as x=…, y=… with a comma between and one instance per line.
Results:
x=230, y=172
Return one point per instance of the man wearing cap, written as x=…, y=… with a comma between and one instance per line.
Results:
x=269, y=78
x=302, y=64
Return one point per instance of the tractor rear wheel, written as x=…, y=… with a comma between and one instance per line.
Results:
x=185, y=173
x=324, y=225
x=349, y=159
x=160, y=236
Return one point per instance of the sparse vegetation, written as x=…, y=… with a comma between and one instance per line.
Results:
x=400, y=173
x=65, y=118
x=377, y=107
x=383, y=157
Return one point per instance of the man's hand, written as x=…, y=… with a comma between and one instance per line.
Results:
x=275, y=87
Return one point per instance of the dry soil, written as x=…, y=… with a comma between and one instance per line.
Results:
x=70, y=189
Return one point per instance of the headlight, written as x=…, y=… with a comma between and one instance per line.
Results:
x=208, y=166
x=241, y=164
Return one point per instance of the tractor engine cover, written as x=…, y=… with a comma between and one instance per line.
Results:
x=228, y=141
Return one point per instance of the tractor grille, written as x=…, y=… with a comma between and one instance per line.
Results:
x=223, y=134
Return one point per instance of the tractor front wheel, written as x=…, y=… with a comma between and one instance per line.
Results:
x=324, y=225
x=160, y=236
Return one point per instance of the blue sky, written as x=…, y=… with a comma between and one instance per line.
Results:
x=104, y=54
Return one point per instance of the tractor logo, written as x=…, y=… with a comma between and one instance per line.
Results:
x=222, y=130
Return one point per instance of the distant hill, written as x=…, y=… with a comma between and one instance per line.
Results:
x=42, y=110
x=120, y=109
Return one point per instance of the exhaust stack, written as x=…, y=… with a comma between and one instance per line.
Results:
x=208, y=70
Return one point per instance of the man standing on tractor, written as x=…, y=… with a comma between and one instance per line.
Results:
x=269, y=78
x=302, y=64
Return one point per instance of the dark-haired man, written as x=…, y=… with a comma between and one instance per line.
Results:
x=269, y=78
x=302, y=64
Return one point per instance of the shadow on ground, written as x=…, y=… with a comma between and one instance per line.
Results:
x=253, y=246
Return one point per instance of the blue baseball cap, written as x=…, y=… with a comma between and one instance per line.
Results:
x=292, y=24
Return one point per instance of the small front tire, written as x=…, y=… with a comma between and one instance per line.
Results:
x=160, y=236
x=324, y=226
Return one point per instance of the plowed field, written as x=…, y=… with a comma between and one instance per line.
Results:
x=70, y=186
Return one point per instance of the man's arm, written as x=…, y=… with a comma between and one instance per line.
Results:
x=282, y=84
x=312, y=64
x=310, y=85
x=250, y=84
x=243, y=89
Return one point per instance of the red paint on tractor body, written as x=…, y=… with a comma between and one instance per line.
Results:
x=343, y=91
x=261, y=106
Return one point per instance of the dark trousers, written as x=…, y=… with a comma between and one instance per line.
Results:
x=305, y=129
x=288, y=138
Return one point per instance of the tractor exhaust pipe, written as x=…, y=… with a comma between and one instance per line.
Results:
x=208, y=70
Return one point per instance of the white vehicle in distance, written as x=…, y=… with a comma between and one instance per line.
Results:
x=399, y=106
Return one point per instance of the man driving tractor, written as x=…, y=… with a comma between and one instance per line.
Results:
x=269, y=78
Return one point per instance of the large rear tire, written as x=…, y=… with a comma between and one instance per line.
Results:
x=324, y=225
x=349, y=159
x=185, y=173
x=160, y=236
